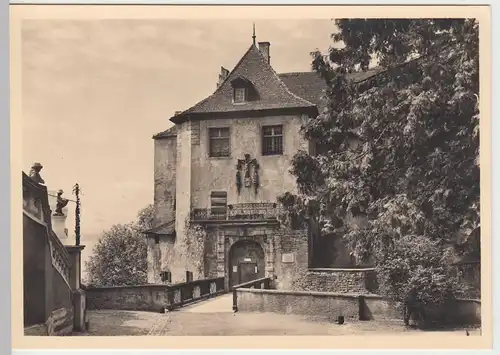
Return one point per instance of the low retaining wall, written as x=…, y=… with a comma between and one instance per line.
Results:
x=317, y=304
x=328, y=306
x=152, y=297
x=133, y=298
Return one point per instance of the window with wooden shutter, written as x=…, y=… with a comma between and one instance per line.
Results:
x=219, y=142
x=166, y=276
x=218, y=203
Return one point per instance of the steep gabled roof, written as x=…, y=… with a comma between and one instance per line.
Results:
x=272, y=91
x=307, y=85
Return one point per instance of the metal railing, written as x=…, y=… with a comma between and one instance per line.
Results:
x=240, y=211
x=262, y=283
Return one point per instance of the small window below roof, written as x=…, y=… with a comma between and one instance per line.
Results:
x=239, y=95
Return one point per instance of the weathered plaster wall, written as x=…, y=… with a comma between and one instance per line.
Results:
x=218, y=174
x=190, y=252
x=174, y=258
x=165, y=165
x=161, y=257
x=153, y=258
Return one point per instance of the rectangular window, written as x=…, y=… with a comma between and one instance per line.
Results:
x=239, y=95
x=218, y=203
x=219, y=142
x=272, y=140
x=166, y=276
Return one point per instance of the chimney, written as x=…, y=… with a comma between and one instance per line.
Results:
x=264, y=49
x=224, y=73
x=177, y=112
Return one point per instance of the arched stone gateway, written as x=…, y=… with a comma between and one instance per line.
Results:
x=246, y=262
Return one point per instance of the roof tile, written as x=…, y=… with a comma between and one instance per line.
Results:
x=273, y=93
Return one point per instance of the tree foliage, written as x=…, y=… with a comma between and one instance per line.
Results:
x=400, y=148
x=120, y=256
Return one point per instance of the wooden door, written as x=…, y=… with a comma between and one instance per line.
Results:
x=247, y=271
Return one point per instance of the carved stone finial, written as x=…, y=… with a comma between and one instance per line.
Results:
x=35, y=173
x=61, y=203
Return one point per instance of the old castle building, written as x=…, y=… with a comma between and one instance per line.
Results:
x=218, y=172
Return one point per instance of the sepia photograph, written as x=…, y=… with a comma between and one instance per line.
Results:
x=251, y=176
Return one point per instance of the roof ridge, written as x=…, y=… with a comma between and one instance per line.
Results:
x=298, y=72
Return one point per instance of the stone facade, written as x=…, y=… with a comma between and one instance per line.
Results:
x=248, y=237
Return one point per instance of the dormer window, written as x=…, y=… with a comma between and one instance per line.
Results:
x=240, y=95
x=243, y=90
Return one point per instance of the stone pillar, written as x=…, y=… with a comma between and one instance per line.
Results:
x=75, y=255
x=270, y=253
x=59, y=228
x=79, y=301
x=59, y=222
x=221, y=251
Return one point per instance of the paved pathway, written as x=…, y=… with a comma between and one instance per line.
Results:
x=221, y=304
x=215, y=317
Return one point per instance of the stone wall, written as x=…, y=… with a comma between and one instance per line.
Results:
x=62, y=316
x=36, y=258
x=293, y=273
x=53, y=304
x=362, y=281
x=138, y=298
x=152, y=297
x=328, y=306
x=210, y=255
x=165, y=165
x=161, y=257
x=177, y=254
x=291, y=260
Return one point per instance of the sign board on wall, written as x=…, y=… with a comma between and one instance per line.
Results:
x=235, y=268
x=288, y=258
x=247, y=259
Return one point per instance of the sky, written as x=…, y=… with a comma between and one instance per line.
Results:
x=95, y=91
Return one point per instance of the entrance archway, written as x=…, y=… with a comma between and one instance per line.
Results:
x=246, y=262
